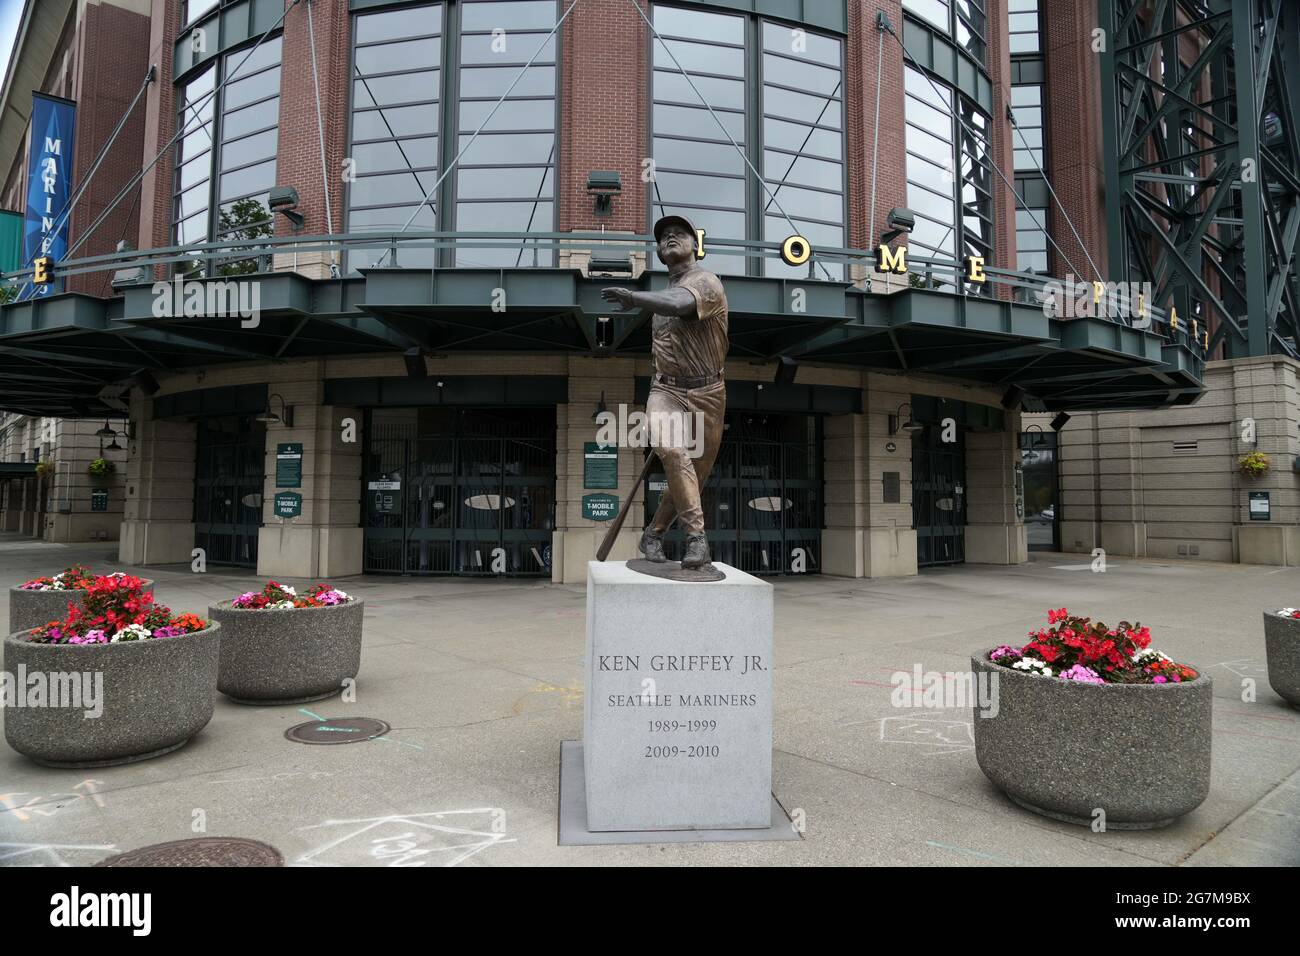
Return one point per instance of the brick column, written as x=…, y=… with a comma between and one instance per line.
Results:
x=1073, y=118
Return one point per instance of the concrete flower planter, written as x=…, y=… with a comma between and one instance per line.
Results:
x=156, y=695
x=1282, y=648
x=1140, y=752
x=28, y=609
x=289, y=656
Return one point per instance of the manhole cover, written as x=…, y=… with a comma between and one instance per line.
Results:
x=337, y=730
x=673, y=571
x=201, y=851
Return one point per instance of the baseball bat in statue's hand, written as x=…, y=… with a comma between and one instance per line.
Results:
x=612, y=533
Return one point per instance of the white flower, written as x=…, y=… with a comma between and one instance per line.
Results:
x=1148, y=654
x=1286, y=612
x=288, y=590
x=132, y=632
x=281, y=606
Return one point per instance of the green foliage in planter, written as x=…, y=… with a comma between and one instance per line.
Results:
x=44, y=469
x=101, y=467
x=1254, y=464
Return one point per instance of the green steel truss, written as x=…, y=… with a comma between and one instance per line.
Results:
x=1202, y=160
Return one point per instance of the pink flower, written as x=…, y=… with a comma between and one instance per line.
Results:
x=1158, y=679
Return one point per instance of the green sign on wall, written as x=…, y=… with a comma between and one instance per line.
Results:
x=288, y=465
x=600, y=507
x=599, y=465
x=288, y=504
x=99, y=499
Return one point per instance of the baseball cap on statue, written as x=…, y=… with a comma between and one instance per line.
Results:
x=666, y=221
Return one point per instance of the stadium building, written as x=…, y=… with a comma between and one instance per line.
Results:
x=332, y=271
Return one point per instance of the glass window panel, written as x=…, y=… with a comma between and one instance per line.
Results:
x=388, y=189
x=1022, y=43
x=250, y=180
x=508, y=147
x=676, y=21
x=387, y=90
x=250, y=118
x=245, y=218
x=382, y=157
x=194, y=172
x=803, y=170
x=699, y=123
x=398, y=23
x=699, y=57
x=508, y=15
x=391, y=218
x=805, y=202
x=783, y=134
x=395, y=121
x=242, y=63
x=933, y=10
x=822, y=236
x=801, y=43
x=690, y=154
x=931, y=204
x=192, y=230
x=408, y=56
x=195, y=146
x=1026, y=94
x=496, y=183
x=494, y=81
x=718, y=93
x=196, y=8
x=257, y=87
x=927, y=90
x=823, y=81
x=704, y=190
x=512, y=47
x=512, y=114
x=192, y=200
x=819, y=110
x=936, y=150
x=249, y=149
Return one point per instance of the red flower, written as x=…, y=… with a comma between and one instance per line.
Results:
x=1054, y=616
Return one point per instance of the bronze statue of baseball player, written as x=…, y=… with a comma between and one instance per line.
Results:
x=688, y=390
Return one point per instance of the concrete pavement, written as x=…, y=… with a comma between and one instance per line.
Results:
x=482, y=679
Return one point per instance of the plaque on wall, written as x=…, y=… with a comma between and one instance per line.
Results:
x=893, y=488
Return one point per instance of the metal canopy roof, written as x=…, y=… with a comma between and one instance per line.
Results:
x=57, y=355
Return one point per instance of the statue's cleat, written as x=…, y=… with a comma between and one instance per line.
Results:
x=697, y=551
x=652, y=545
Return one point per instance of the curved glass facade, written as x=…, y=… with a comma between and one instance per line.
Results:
x=226, y=156
x=776, y=93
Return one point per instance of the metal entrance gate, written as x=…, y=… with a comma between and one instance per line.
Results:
x=230, y=469
x=939, y=497
x=459, y=491
x=763, y=500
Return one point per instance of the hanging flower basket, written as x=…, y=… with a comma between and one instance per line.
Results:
x=101, y=468
x=118, y=679
x=1091, y=725
x=282, y=647
x=1253, y=465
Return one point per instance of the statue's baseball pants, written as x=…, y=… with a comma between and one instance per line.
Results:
x=667, y=409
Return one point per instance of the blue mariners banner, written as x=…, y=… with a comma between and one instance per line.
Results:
x=49, y=184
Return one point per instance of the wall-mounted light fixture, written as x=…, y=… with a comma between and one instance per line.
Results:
x=604, y=184
x=899, y=423
x=284, y=200
x=285, y=417
x=900, y=220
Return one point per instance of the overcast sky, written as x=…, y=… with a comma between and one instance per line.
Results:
x=11, y=12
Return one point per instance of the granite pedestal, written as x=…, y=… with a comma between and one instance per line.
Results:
x=678, y=721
